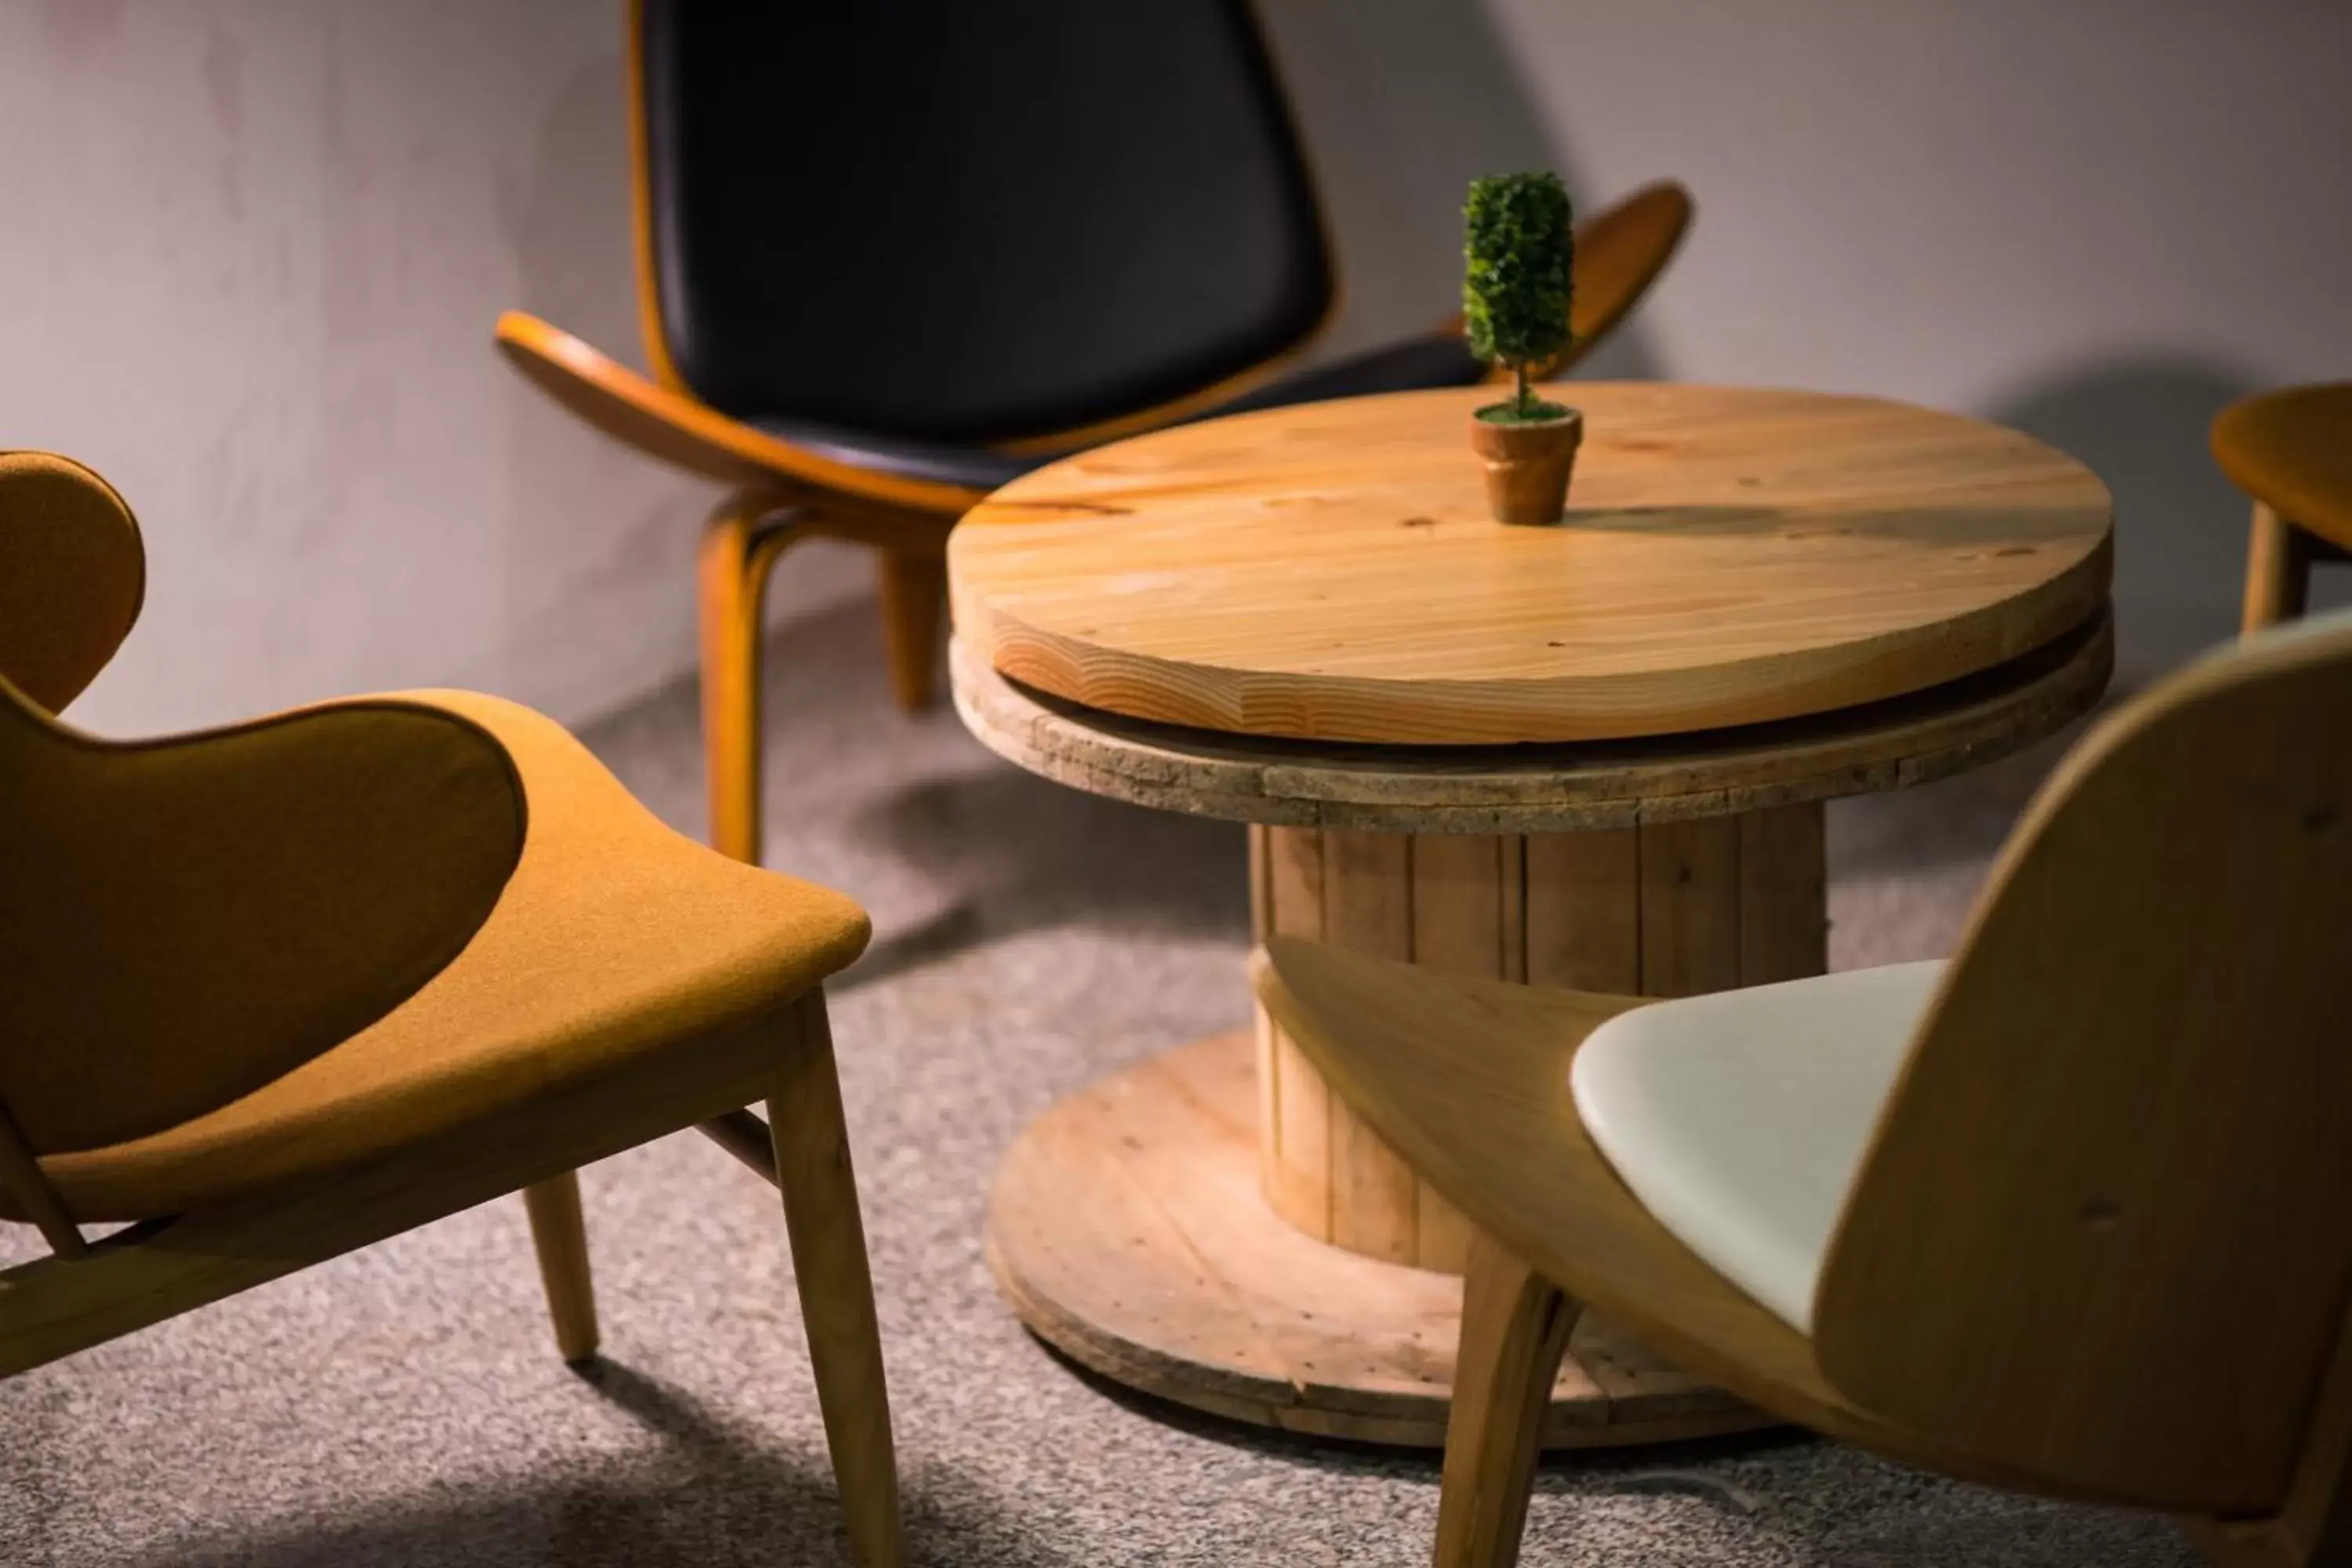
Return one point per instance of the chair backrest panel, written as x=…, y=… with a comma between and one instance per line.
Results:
x=72, y=573
x=2104, y=1230
x=968, y=223
x=183, y=919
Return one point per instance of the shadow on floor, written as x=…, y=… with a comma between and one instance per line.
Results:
x=950, y=932
x=1586, y=1471
x=718, y=1494
x=1027, y=853
x=998, y=851
x=1759, y=1479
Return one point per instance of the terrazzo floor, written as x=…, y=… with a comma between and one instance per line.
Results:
x=404, y=1406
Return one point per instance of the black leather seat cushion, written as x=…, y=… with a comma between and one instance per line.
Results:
x=942, y=462
x=965, y=222
x=1436, y=360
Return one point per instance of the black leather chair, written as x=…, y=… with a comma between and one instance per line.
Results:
x=892, y=255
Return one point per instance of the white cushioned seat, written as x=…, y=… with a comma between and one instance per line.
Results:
x=1739, y=1119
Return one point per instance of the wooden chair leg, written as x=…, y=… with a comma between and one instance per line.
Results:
x=2265, y=1543
x=739, y=551
x=1515, y=1329
x=2278, y=569
x=828, y=1241
x=912, y=585
x=560, y=1234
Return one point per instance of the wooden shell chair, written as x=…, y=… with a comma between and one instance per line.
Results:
x=2071, y=1215
x=278, y=991
x=890, y=257
x=2292, y=451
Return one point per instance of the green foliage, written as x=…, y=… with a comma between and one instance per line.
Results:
x=1523, y=409
x=1520, y=264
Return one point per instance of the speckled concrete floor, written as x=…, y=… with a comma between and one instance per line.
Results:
x=404, y=1406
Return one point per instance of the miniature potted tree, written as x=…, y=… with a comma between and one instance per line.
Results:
x=1515, y=289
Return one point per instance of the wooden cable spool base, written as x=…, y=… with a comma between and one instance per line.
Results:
x=1215, y=1226
x=1127, y=1230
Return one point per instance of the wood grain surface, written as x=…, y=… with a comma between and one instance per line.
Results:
x=1330, y=572
x=1469, y=1079
x=2128, y=1119
x=1539, y=789
x=2098, y=1246
x=1127, y=1230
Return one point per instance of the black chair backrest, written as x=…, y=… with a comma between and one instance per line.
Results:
x=971, y=222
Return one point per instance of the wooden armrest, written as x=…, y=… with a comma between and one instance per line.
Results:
x=677, y=429
x=1619, y=254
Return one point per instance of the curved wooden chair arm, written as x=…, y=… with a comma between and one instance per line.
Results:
x=1468, y=1080
x=1619, y=254
x=679, y=430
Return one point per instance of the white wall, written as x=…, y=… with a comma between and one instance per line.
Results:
x=2099, y=220
x=250, y=251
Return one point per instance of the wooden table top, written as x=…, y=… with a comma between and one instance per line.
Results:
x=1729, y=556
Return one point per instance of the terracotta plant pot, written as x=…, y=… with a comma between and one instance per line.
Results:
x=1527, y=465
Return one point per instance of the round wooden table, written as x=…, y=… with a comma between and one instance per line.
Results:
x=1590, y=755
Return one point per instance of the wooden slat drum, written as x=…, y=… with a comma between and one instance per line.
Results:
x=1668, y=911
x=1592, y=757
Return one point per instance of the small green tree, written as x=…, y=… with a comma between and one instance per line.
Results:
x=1515, y=287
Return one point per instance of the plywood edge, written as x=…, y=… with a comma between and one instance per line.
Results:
x=1124, y=1232
x=1537, y=789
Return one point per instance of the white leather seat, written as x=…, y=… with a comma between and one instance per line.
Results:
x=1740, y=1119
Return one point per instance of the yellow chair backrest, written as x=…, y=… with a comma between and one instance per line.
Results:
x=72, y=575
x=183, y=919
x=2104, y=1231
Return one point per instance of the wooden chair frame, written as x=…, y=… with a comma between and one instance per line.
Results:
x=2276, y=445
x=2280, y=554
x=2040, y=1382
x=87, y=1294
x=71, y=553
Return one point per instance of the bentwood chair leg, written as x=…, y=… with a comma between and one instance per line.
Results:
x=739, y=550
x=1515, y=1329
x=560, y=1234
x=2278, y=569
x=2270, y=1541
x=828, y=1241
x=912, y=586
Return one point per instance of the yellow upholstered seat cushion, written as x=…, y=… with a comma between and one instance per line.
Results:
x=615, y=939
x=2292, y=450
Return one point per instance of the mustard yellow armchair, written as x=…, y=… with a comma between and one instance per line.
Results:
x=2291, y=450
x=278, y=991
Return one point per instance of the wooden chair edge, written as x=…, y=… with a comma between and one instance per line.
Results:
x=56, y=1306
